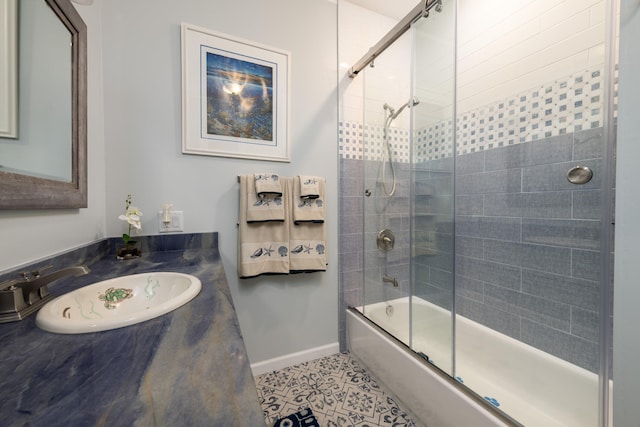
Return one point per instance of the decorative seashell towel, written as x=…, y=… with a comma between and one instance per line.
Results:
x=281, y=232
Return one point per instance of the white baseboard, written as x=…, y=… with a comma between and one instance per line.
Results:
x=287, y=360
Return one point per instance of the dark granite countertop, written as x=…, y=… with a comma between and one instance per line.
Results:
x=185, y=368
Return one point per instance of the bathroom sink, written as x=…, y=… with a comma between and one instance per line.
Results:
x=117, y=302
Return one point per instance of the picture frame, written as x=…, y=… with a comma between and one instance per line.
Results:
x=9, y=69
x=235, y=97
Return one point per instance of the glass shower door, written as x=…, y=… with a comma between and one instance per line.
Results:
x=432, y=166
x=386, y=137
x=531, y=225
x=487, y=192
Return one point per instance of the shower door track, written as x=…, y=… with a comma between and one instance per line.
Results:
x=401, y=27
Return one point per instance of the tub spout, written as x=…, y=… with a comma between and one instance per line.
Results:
x=389, y=279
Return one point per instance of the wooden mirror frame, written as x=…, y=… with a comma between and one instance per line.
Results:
x=27, y=192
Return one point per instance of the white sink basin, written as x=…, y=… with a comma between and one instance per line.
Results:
x=118, y=302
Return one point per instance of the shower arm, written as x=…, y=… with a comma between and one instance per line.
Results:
x=401, y=27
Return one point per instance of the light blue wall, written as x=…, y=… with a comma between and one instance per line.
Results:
x=278, y=315
x=135, y=147
x=626, y=335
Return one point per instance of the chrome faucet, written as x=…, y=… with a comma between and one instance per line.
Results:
x=389, y=279
x=25, y=295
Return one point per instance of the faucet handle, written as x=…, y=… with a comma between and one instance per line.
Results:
x=8, y=284
x=30, y=275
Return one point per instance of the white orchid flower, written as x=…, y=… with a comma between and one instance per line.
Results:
x=132, y=216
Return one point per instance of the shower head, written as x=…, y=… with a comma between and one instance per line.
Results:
x=387, y=123
x=410, y=103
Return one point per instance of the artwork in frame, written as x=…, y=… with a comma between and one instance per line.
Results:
x=235, y=97
x=8, y=69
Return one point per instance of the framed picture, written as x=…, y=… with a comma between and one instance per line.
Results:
x=235, y=97
x=8, y=69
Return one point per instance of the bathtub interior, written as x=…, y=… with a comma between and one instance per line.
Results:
x=434, y=340
x=532, y=386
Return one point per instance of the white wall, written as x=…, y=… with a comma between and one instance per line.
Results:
x=360, y=29
x=278, y=315
x=504, y=48
x=626, y=334
x=30, y=235
x=509, y=47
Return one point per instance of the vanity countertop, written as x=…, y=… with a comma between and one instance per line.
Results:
x=185, y=368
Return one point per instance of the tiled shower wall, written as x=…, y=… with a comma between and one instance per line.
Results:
x=526, y=239
x=527, y=262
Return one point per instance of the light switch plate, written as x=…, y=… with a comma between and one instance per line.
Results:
x=176, y=224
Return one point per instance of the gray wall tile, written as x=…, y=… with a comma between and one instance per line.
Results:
x=498, y=320
x=576, y=292
x=470, y=204
x=537, y=257
x=586, y=204
x=469, y=246
x=550, y=150
x=588, y=144
x=351, y=224
x=501, y=181
x=504, y=204
x=585, y=264
x=547, y=312
x=350, y=168
x=351, y=205
x=489, y=227
x=442, y=279
x=469, y=288
x=495, y=273
x=581, y=234
x=548, y=204
x=470, y=163
x=585, y=324
x=563, y=345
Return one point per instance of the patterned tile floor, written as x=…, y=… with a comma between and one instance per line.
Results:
x=337, y=388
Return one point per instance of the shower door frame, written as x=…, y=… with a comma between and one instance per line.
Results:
x=606, y=219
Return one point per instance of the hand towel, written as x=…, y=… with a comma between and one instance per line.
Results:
x=309, y=186
x=309, y=210
x=263, y=247
x=268, y=207
x=308, y=246
x=268, y=184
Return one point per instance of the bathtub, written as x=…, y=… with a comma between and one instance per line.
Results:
x=531, y=386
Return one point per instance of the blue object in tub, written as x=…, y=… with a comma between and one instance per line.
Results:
x=492, y=400
x=425, y=357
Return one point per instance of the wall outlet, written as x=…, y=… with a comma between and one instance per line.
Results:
x=176, y=224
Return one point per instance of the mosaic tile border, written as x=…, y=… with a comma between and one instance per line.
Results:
x=566, y=105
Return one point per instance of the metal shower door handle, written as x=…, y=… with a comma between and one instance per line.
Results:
x=579, y=175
